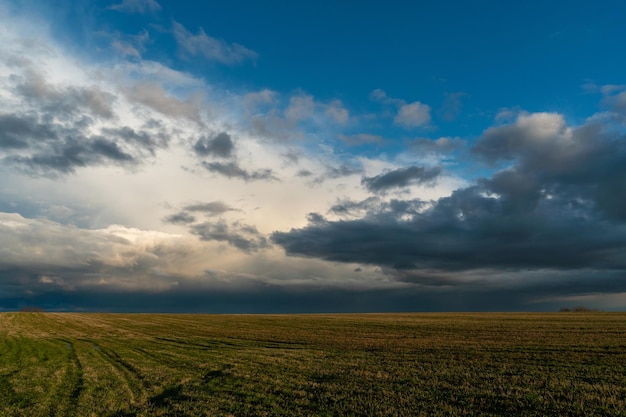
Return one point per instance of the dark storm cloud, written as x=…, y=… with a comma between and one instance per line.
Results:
x=401, y=177
x=200, y=296
x=70, y=153
x=18, y=131
x=221, y=146
x=243, y=237
x=38, y=142
x=559, y=206
x=468, y=230
x=585, y=165
x=110, y=150
x=233, y=170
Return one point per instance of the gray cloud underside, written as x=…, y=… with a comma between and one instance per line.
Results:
x=401, y=177
x=40, y=145
x=243, y=237
x=210, y=209
x=559, y=206
x=245, y=296
x=53, y=132
x=62, y=102
x=221, y=146
x=180, y=218
x=152, y=95
x=233, y=170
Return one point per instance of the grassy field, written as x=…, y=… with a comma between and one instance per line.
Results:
x=327, y=365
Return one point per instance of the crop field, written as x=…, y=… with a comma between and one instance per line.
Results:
x=71, y=364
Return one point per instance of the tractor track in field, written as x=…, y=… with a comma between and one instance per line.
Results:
x=64, y=401
x=132, y=379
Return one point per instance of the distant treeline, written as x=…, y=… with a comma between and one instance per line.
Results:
x=579, y=309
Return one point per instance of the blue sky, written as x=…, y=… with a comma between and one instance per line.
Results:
x=319, y=156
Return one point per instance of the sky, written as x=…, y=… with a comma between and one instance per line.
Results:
x=302, y=157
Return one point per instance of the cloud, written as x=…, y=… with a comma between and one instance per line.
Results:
x=128, y=45
x=152, y=95
x=300, y=108
x=530, y=133
x=212, y=208
x=137, y=6
x=337, y=112
x=142, y=139
x=221, y=146
x=63, y=102
x=616, y=99
x=380, y=95
x=209, y=48
x=259, y=98
x=38, y=255
x=243, y=237
x=19, y=132
x=209, y=209
x=452, y=105
x=334, y=172
x=182, y=217
x=233, y=170
x=554, y=212
x=466, y=231
x=409, y=115
x=42, y=147
x=401, y=177
x=412, y=115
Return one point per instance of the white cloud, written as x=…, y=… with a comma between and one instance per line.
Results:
x=412, y=115
x=337, y=112
x=210, y=48
x=154, y=96
x=137, y=6
x=409, y=115
x=300, y=107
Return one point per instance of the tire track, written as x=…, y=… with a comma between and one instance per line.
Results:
x=126, y=373
x=72, y=383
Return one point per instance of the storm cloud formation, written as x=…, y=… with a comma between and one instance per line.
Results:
x=558, y=205
x=135, y=175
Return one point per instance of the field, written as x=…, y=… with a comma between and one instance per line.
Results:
x=325, y=365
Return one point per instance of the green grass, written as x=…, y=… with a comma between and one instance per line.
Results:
x=565, y=364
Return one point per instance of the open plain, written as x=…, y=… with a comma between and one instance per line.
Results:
x=75, y=364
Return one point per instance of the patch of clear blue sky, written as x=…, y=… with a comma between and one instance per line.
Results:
x=534, y=55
